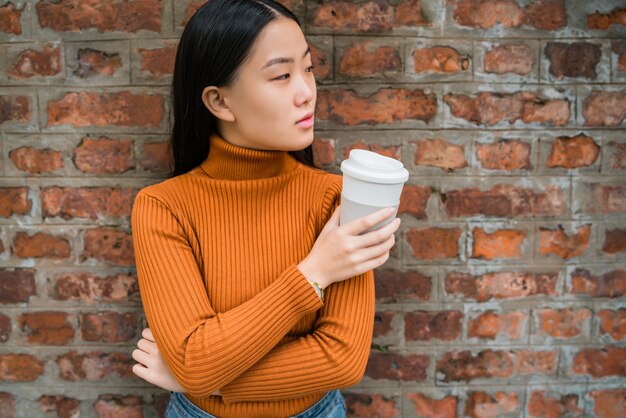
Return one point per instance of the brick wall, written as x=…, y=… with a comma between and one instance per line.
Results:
x=505, y=293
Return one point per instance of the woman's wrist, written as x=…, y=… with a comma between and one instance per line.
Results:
x=310, y=275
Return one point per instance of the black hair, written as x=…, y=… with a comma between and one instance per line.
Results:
x=214, y=43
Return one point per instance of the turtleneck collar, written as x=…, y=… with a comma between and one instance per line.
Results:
x=227, y=161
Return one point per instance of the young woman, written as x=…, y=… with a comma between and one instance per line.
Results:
x=259, y=303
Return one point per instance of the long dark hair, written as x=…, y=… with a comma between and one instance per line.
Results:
x=213, y=45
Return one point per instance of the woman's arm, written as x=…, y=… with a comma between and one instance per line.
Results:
x=333, y=356
x=203, y=349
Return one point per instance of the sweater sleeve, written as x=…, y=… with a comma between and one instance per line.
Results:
x=206, y=350
x=334, y=355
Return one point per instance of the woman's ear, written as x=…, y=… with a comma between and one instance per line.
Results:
x=214, y=100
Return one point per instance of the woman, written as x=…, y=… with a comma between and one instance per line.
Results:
x=259, y=303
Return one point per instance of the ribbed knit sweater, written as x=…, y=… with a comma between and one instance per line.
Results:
x=216, y=252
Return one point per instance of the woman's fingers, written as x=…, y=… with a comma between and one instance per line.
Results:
x=379, y=235
x=141, y=357
x=147, y=334
x=378, y=250
x=363, y=223
x=147, y=346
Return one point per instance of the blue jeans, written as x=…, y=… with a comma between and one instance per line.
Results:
x=332, y=405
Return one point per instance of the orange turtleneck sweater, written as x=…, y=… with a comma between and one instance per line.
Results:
x=216, y=251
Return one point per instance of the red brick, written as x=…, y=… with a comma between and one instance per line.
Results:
x=110, y=406
x=5, y=327
x=489, y=325
x=486, y=405
x=434, y=243
x=504, y=200
x=614, y=241
x=323, y=152
x=14, y=109
x=600, y=362
x=94, y=63
x=604, y=198
x=501, y=285
x=439, y=59
x=32, y=63
x=369, y=16
x=562, y=323
x=424, y=325
x=63, y=406
x=366, y=59
x=426, y=406
x=578, y=151
x=47, y=327
x=387, y=105
x=7, y=401
x=490, y=108
x=90, y=289
x=36, y=161
x=91, y=202
x=94, y=365
x=503, y=243
x=382, y=323
x=14, y=201
x=20, y=368
x=617, y=159
x=10, y=20
x=156, y=157
x=609, y=403
x=575, y=59
x=322, y=62
x=109, y=245
x=440, y=153
x=365, y=405
x=515, y=58
x=462, y=365
x=611, y=284
x=17, y=285
x=414, y=200
x=106, y=109
x=393, y=286
x=602, y=21
x=557, y=242
x=395, y=366
x=613, y=323
x=506, y=154
x=544, y=15
x=529, y=362
x=104, y=155
x=41, y=245
x=604, y=108
x=109, y=326
x=543, y=405
x=78, y=15
x=158, y=62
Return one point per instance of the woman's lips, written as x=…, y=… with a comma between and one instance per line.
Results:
x=306, y=123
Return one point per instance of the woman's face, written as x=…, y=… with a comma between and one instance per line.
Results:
x=275, y=88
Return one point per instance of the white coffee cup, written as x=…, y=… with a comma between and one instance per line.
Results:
x=370, y=182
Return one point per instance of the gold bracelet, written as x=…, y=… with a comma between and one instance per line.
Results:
x=318, y=288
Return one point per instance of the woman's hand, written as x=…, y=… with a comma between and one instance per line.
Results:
x=341, y=252
x=153, y=368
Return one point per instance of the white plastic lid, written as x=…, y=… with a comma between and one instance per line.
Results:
x=371, y=166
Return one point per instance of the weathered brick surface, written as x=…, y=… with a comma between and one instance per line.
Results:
x=505, y=292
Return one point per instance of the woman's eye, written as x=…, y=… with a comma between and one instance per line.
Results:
x=284, y=75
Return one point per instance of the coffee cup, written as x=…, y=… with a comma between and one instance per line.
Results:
x=370, y=182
